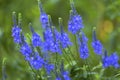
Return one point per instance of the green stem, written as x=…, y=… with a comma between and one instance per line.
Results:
x=76, y=45
x=73, y=55
x=68, y=56
x=88, y=69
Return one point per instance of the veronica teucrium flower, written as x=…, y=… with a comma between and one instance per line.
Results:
x=111, y=60
x=64, y=38
x=96, y=44
x=25, y=49
x=114, y=58
x=43, y=17
x=75, y=23
x=16, y=31
x=35, y=61
x=83, y=48
x=49, y=67
x=16, y=34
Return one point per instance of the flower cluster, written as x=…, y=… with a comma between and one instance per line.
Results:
x=96, y=44
x=37, y=52
x=111, y=60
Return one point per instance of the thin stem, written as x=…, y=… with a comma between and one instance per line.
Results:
x=68, y=56
x=67, y=59
x=72, y=55
x=36, y=73
x=88, y=69
x=76, y=45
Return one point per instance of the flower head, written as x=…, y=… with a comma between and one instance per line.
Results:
x=43, y=16
x=111, y=60
x=16, y=34
x=25, y=49
x=83, y=48
x=36, y=40
x=114, y=60
x=35, y=61
x=58, y=78
x=75, y=23
x=64, y=40
x=48, y=67
x=96, y=44
x=66, y=76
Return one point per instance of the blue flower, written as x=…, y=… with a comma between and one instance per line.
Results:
x=48, y=35
x=44, y=20
x=84, y=51
x=35, y=61
x=66, y=76
x=36, y=40
x=16, y=34
x=65, y=41
x=54, y=47
x=51, y=41
x=58, y=78
x=25, y=49
x=96, y=44
x=106, y=61
x=43, y=17
x=114, y=60
x=111, y=60
x=48, y=67
x=83, y=48
x=75, y=24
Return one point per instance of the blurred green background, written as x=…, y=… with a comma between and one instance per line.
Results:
x=103, y=14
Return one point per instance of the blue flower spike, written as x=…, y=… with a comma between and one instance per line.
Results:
x=64, y=38
x=96, y=44
x=43, y=16
x=16, y=30
x=111, y=60
x=75, y=23
x=83, y=47
x=36, y=40
x=105, y=59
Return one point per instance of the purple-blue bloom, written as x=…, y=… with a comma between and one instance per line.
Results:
x=51, y=41
x=36, y=40
x=25, y=49
x=106, y=61
x=114, y=60
x=48, y=35
x=35, y=61
x=54, y=47
x=58, y=78
x=16, y=34
x=65, y=41
x=75, y=24
x=44, y=20
x=84, y=51
x=83, y=48
x=111, y=60
x=43, y=17
x=96, y=44
x=66, y=76
x=48, y=67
